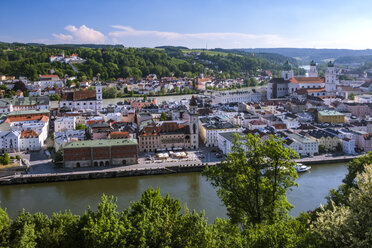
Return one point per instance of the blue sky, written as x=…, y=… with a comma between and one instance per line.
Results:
x=191, y=23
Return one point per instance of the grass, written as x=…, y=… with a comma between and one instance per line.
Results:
x=9, y=166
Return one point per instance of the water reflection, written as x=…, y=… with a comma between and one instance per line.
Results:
x=190, y=188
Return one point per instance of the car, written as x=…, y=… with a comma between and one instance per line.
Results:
x=218, y=155
x=201, y=156
x=148, y=159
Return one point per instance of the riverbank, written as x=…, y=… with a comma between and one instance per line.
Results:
x=131, y=171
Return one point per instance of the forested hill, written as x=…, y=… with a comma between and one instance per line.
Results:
x=112, y=62
x=305, y=55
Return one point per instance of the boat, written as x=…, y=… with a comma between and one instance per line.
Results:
x=302, y=168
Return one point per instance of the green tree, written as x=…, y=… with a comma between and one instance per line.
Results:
x=106, y=227
x=351, y=96
x=348, y=225
x=5, y=159
x=145, y=97
x=4, y=228
x=254, y=178
x=340, y=195
x=163, y=116
x=80, y=126
x=322, y=149
x=58, y=158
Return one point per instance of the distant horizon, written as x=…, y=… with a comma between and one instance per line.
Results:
x=190, y=48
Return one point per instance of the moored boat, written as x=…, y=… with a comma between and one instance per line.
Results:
x=302, y=168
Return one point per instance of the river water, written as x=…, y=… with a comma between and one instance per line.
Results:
x=190, y=188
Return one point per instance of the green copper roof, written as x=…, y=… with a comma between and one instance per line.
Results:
x=287, y=66
x=100, y=143
x=330, y=64
x=28, y=112
x=312, y=63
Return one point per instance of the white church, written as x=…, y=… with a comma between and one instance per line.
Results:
x=290, y=86
x=86, y=100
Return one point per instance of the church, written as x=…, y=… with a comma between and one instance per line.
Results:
x=290, y=86
x=87, y=100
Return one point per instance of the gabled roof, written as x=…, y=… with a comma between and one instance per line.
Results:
x=298, y=80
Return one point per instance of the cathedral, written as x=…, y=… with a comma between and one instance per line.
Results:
x=290, y=86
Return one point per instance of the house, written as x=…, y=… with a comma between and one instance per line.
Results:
x=211, y=127
x=164, y=135
x=64, y=137
x=330, y=141
x=301, y=144
x=64, y=123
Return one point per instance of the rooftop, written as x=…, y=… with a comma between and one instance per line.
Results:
x=100, y=143
x=329, y=113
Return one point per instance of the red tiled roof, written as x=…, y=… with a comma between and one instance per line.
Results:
x=26, y=118
x=81, y=95
x=165, y=127
x=29, y=134
x=48, y=76
x=119, y=135
x=297, y=80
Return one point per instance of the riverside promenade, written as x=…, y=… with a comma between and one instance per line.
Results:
x=142, y=169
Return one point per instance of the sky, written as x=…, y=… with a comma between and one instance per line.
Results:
x=190, y=23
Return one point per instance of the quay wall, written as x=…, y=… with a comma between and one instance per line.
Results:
x=85, y=175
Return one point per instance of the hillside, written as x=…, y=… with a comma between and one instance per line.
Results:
x=305, y=55
x=111, y=62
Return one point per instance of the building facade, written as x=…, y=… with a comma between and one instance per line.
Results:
x=110, y=152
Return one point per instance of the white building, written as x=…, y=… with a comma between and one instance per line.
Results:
x=306, y=146
x=238, y=96
x=61, y=138
x=30, y=140
x=9, y=141
x=211, y=127
x=83, y=100
x=64, y=123
x=225, y=141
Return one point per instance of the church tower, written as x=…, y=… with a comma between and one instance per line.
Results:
x=98, y=97
x=287, y=73
x=330, y=79
x=193, y=124
x=313, y=71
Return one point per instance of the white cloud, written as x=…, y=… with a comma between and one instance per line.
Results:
x=81, y=34
x=63, y=37
x=132, y=37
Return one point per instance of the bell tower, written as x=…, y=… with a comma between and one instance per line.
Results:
x=194, y=124
x=98, y=97
x=313, y=71
x=287, y=72
x=330, y=79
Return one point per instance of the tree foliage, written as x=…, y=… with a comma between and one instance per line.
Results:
x=348, y=225
x=254, y=178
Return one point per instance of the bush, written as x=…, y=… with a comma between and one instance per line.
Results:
x=18, y=157
x=12, y=157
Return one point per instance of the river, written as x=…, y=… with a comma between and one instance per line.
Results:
x=190, y=188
